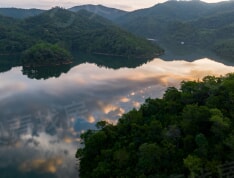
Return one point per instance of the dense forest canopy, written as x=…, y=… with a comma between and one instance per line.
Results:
x=72, y=31
x=189, y=132
x=45, y=54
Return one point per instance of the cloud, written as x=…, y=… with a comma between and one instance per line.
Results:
x=103, y=93
x=91, y=119
x=49, y=165
x=124, y=100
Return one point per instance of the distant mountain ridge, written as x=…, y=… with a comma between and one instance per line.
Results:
x=106, y=12
x=187, y=23
x=151, y=22
x=20, y=13
x=181, y=10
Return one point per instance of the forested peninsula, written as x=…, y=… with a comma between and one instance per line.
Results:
x=186, y=133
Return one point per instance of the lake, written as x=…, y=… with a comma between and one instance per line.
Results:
x=43, y=111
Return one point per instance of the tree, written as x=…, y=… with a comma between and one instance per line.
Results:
x=194, y=164
x=159, y=141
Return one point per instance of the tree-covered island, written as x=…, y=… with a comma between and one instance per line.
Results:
x=45, y=54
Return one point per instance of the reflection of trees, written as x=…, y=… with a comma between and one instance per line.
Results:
x=114, y=62
x=7, y=62
x=45, y=72
x=5, y=68
x=13, y=171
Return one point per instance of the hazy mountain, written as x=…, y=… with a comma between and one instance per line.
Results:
x=106, y=12
x=187, y=23
x=19, y=13
x=152, y=22
x=109, y=13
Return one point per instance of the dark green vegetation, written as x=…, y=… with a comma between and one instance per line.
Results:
x=7, y=62
x=47, y=71
x=19, y=13
x=173, y=24
x=189, y=131
x=106, y=12
x=45, y=54
x=74, y=32
x=195, y=23
x=225, y=48
x=13, y=171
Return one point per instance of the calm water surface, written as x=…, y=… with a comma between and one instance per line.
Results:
x=43, y=111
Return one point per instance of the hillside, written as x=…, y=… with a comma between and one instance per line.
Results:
x=194, y=23
x=187, y=133
x=214, y=32
x=19, y=13
x=162, y=15
x=151, y=22
x=73, y=31
x=173, y=24
x=106, y=12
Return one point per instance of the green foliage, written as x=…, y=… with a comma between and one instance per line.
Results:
x=7, y=62
x=187, y=132
x=106, y=12
x=72, y=31
x=44, y=54
x=194, y=23
x=19, y=13
x=225, y=48
x=194, y=164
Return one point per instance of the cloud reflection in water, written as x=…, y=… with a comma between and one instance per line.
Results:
x=40, y=120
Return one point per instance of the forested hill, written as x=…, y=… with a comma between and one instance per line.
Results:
x=187, y=133
x=106, y=12
x=73, y=31
x=145, y=21
x=19, y=13
x=194, y=23
x=176, y=23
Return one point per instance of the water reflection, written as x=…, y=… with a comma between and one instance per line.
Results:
x=8, y=61
x=80, y=58
x=191, y=53
x=40, y=120
x=45, y=72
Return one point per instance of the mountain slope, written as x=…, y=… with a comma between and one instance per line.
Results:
x=185, y=23
x=214, y=32
x=19, y=13
x=76, y=31
x=152, y=22
x=106, y=12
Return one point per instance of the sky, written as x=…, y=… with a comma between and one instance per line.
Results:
x=47, y=4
